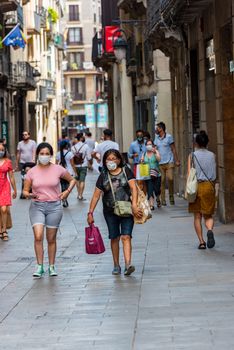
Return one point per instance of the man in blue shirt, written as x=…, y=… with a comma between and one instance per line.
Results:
x=169, y=158
x=137, y=147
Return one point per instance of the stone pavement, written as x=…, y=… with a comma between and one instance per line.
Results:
x=178, y=298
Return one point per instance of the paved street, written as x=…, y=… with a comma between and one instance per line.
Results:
x=179, y=297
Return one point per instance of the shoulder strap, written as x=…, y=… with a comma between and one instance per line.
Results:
x=111, y=185
x=203, y=170
x=77, y=151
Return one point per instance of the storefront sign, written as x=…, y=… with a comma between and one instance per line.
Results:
x=90, y=116
x=102, y=115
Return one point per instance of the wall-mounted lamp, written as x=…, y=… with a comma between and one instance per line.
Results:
x=120, y=44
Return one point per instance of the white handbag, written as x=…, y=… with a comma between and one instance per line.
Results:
x=191, y=184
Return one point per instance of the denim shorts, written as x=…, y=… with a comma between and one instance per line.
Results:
x=118, y=225
x=48, y=214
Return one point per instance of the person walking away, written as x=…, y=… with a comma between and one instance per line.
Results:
x=104, y=146
x=91, y=144
x=136, y=151
x=204, y=205
x=89, y=141
x=152, y=157
x=80, y=162
x=169, y=159
x=26, y=153
x=63, y=158
x=45, y=210
x=123, y=184
x=6, y=172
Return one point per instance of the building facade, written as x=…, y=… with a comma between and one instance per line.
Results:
x=84, y=83
x=31, y=79
x=198, y=39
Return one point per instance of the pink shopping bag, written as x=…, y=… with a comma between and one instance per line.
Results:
x=93, y=240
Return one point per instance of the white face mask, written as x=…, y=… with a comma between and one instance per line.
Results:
x=111, y=165
x=149, y=147
x=44, y=160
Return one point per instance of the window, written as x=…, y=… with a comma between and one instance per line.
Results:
x=74, y=14
x=75, y=36
x=78, y=89
x=75, y=60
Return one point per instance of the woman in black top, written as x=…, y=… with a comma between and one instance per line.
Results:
x=123, y=183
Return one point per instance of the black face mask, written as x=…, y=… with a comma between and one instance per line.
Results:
x=139, y=139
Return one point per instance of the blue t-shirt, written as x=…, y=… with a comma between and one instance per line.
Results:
x=164, y=147
x=136, y=147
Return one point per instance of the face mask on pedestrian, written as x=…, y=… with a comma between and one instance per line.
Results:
x=44, y=160
x=111, y=165
x=2, y=153
x=139, y=138
x=149, y=147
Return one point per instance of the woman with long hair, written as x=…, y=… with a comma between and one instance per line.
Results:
x=6, y=171
x=204, y=205
x=124, y=187
x=45, y=209
x=63, y=158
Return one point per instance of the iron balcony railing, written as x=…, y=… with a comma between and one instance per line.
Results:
x=43, y=13
x=50, y=87
x=22, y=76
x=96, y=48
x=15, y=17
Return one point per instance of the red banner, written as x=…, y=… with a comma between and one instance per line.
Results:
x=108, y=38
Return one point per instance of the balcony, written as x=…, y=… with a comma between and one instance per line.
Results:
x=50, y=86
x=15, y=17
x=173, y=12
x=59, y=41
x=33, y=23
x=22, y=76
x=8, y=5
x=43, y=13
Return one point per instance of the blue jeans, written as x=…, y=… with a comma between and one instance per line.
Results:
x=118, y=225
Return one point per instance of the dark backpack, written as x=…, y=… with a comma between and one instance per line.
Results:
x=78, y=157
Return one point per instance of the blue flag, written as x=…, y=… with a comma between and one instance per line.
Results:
x=15, y=38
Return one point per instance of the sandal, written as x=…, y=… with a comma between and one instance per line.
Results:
x=5, y=236
x=202, y=245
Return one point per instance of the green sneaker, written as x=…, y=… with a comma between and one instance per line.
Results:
x=39, y=271
x=52, y=271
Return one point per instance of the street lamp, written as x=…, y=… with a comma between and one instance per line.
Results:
x=120, y=44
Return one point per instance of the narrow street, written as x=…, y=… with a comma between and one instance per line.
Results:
x=178, y=298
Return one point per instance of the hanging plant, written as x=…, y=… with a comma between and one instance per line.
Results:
x=53, y=15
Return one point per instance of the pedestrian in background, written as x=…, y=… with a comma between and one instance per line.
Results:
x=204, y=205
x=45, y=209
x=136, y=151
x=80, y=161
x=152, y=157
x=169, y=158
x=26, y=153
x=104, y=146
x=91, y=144
x=123, y=184
x=63, y=158
x=6, y=172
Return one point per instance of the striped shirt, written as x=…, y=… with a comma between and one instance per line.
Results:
x=207, y=168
